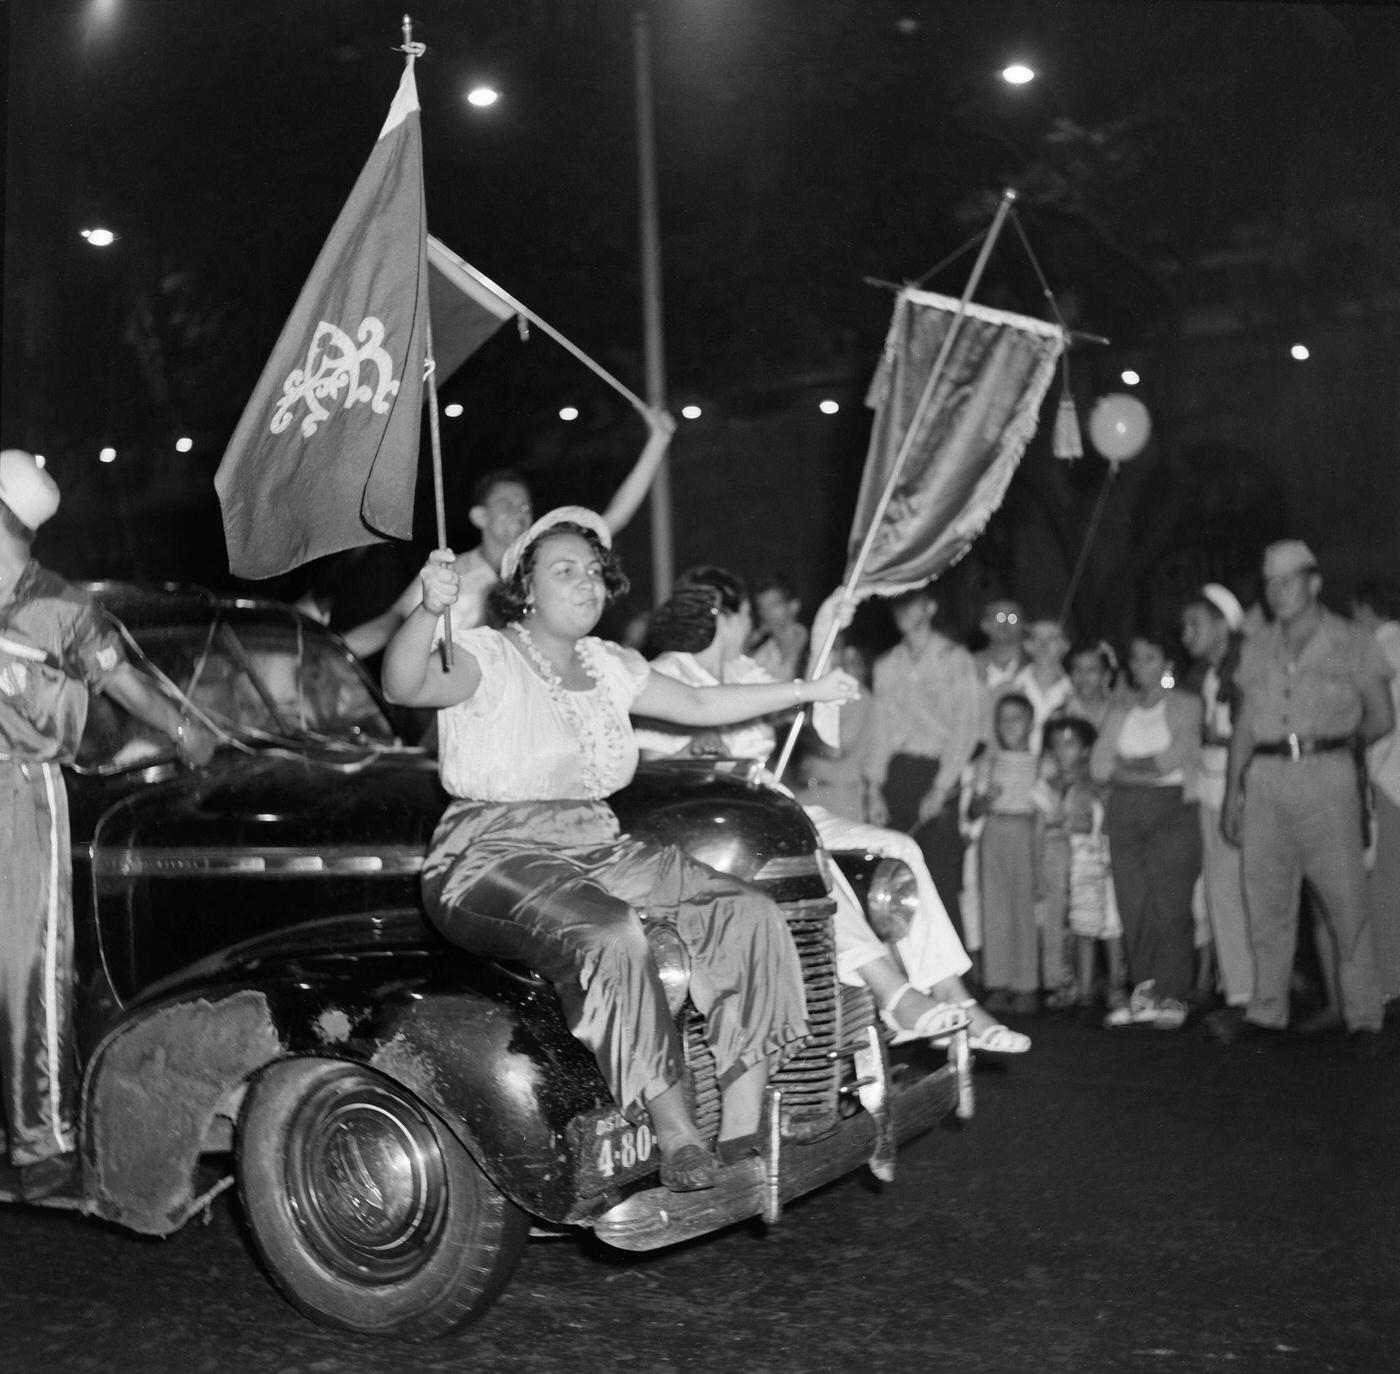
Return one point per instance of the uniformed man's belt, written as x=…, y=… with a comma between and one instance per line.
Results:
x=1299, y=746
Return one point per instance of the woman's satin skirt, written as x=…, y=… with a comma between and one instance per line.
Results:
x=555, y=886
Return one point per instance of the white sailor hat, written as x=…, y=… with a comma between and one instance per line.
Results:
x=26, y=488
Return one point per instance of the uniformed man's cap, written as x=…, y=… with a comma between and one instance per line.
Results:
x=1288, y=556
x=26, y=488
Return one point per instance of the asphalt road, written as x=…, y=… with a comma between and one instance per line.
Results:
x=1123, y=1201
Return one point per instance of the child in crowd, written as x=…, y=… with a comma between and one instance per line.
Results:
x=1003, y=791
x=1093, y=668
x=1052, y=892
x=1043, y=681
x=1080, y=872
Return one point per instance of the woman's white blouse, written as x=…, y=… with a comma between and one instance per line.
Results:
x=1145, y=734
x=751, y=740
x=513, y=740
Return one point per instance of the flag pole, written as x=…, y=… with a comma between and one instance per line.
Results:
x=906, y=447
x=412, y=50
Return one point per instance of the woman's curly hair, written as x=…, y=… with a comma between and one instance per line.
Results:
x=510, y=599
x=686, y=623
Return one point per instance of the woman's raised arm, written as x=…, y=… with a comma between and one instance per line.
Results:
x=413, y=675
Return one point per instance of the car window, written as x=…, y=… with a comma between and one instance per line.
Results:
x=252, y=680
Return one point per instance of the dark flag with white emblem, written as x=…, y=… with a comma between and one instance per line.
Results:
x=325, y=456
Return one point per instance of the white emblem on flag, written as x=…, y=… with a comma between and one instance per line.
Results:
x=333, y=365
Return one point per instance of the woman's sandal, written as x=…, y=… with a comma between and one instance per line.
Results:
x=735, y=1151
x=691, y=1169
x=941, y=1019
x=999, y=1039
x=995, y=1039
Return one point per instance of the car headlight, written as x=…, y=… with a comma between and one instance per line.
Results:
x=892, y=899
x=672, y=962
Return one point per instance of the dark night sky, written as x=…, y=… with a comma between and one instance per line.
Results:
x=803, y=145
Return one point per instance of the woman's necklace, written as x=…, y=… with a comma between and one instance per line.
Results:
x=545, y=668
x=597, y=731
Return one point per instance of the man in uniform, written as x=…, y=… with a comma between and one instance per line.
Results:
x=55, y=648
x=1314, y=690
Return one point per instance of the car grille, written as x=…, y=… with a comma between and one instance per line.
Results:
x=810, y=1079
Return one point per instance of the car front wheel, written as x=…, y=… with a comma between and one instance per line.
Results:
x=366, y=1209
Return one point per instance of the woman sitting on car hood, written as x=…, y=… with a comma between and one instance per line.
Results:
x=528, y=863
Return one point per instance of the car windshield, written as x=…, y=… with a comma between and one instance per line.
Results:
x=254, y=680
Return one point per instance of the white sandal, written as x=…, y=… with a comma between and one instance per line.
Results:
x=941, y=1019
x=996, y=1039
x=999, y=1039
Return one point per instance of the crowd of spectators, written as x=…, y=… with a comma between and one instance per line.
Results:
x=1134, y=834
x=1102, y=848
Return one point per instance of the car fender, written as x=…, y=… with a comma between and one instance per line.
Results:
x=496, y=1063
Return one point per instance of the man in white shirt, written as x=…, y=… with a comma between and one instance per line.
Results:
x=929, y=710
x=501, y=511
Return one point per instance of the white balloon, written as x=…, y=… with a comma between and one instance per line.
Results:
x=1119, y=427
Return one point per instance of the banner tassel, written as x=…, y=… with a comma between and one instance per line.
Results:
x=1068, y=441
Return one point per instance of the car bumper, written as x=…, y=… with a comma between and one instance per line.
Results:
x=656, y=1217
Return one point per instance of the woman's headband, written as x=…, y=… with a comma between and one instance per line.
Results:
x=560, y=515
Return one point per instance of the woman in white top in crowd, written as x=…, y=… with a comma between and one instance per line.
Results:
x=1149, y=750
x=700, y=633
x=528, y=862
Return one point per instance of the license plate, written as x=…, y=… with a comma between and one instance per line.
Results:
x=616, y=1150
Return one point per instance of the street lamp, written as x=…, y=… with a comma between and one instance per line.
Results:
x=1018, y=74
x=99, y=238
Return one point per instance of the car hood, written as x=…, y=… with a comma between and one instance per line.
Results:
x=269, y=801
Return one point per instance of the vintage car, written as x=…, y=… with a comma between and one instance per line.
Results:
x=261, y=1001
